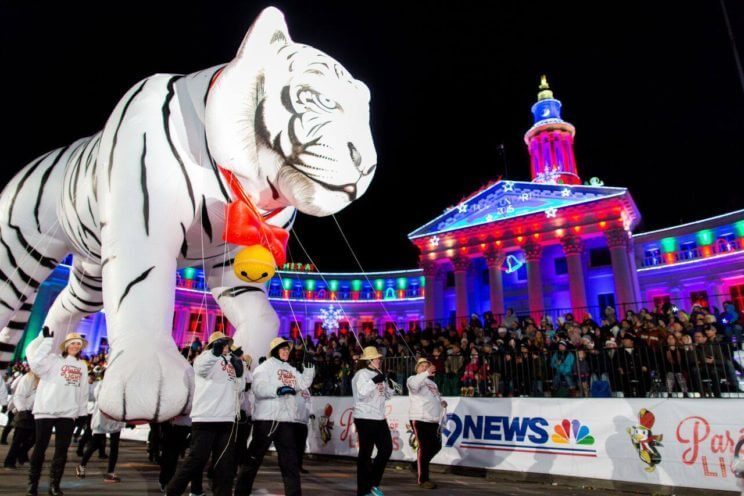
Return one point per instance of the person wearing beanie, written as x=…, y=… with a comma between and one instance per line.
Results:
x=425, y=412
x=275, y=385
x=371, y=391
x=214, y=413
x=61, y=397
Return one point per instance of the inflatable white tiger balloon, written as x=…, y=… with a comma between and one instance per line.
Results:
x=145, y=197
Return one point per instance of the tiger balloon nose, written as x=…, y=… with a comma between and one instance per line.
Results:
x=254, y=264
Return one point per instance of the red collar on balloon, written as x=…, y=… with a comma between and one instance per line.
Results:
x=244, y=224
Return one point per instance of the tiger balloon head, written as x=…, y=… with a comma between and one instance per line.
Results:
x=291, y=122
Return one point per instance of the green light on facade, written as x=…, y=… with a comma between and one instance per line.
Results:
x=189, y=273
x=705, y=237
x=356, y=285
x=422, y=282
x=379, y=284
x=333, y=285
x=668, y=245
x=287, y=283
x=402, y=283
x=309, y=284
x=739, y=226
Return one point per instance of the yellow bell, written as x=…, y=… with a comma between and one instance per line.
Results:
x=254, y=264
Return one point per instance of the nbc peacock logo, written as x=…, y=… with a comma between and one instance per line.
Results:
x=569, y=430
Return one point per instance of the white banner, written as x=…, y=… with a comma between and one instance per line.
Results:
x=675, y=442
x=657, y=441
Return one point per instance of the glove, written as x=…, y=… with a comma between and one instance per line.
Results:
x=285, y=390
x=219, y=346
x=237, y=364
x=46, y=332
x=378, y=378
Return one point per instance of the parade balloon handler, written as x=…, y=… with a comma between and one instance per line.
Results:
x=304, y=410
x=275, y=385
x=425, y=412
x=246, y=410
x=23, y=422
x=83, y=423
x=61, y=397
x=371, y=390
x=101, y=425
x=7, y=408
x=214, y=415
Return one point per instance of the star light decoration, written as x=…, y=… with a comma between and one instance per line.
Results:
x=434, y=241
x=550, y=213
x=462, y=208
x=330, y=318
x=565, y=192
x=508, y=186
x=489, y=218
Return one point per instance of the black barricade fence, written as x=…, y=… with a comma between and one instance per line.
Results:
x=693, y=370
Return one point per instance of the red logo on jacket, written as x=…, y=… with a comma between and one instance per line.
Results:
x=71, y=374
x=286, y=377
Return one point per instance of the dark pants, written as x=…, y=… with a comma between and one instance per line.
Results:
x=283, y=435
x=175, y=441
x=241, y=441
x=301, y=440
x=23, y=439
x=153, y=442
x=62, y=438
x=8, y=427
x=217, y=439
x=87, y=436
x=98, y=441
x=429, y=444
x=372, y=433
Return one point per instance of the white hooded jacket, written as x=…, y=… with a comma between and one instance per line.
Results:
x=303, y=398
x=369, y=398
x=425, y=401
x=25, y=392
x=63, y=388
x=270, y=376
x=217, y=389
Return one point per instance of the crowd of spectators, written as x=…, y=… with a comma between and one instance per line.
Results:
x=667, y=351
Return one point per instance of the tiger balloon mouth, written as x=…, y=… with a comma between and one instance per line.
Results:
x=350, y=189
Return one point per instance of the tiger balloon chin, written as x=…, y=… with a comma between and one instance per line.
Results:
x=281, y=128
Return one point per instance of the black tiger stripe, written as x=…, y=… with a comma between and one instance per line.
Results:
x=85, y=302
x=24, y=277
x=166, y=124
x=21, y=183
x=143, y=185
x=7, y=348
x=7, y=280
x=83, y=275
x=75, y=176
x=3, y=303
x=160, y=392
x=107, y=260
x=90, y=211
x=237, y=291
x=26, y=307
x=225, y=263
x=184, y=245
x=44, y=179
x=206, y=225
x=15, y=325
x=137, y=280
x=4, y=365
x=89, y=160
x=116, y=132
x=40, y=258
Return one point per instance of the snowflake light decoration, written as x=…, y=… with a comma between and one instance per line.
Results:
x=550, y=213
x=548, y=176
x=330, y=318
x=434, y=241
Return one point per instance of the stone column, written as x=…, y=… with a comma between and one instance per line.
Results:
x=617, y=241
x=462, y=314
x=494, y=260
x=431, y=270
x=533, y=255
x=573, y=247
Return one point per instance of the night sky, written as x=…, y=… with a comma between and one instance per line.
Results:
x=651, y=87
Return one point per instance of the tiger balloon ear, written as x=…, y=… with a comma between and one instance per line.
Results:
x=269, y=30
x=237, y=89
